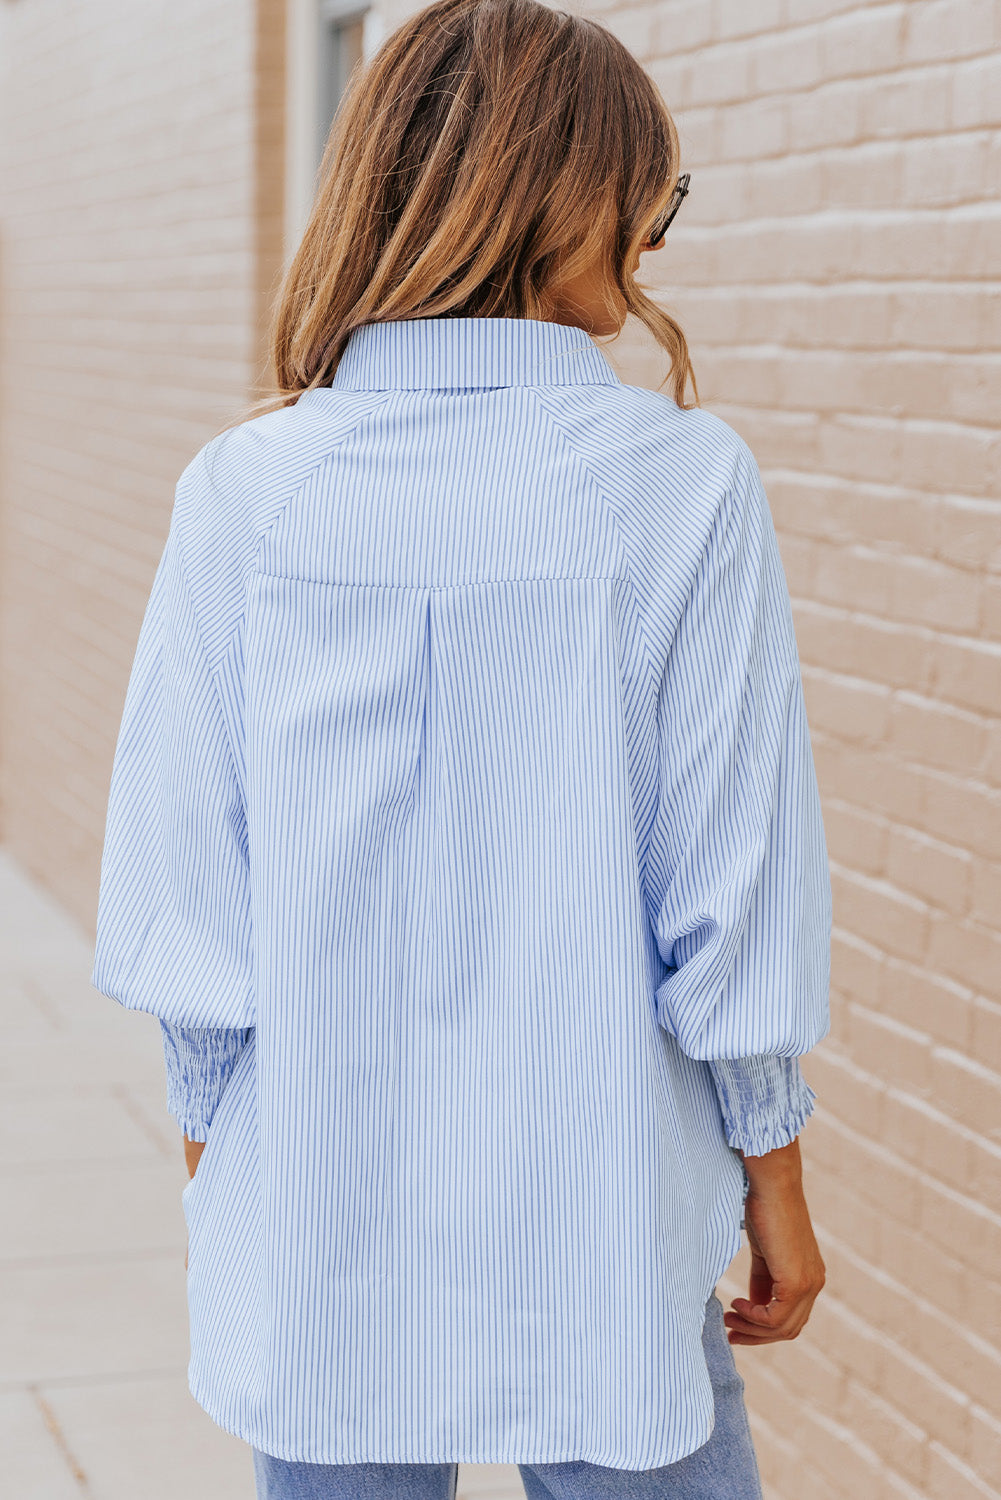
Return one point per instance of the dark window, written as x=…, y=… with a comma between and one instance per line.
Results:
x=342, y=25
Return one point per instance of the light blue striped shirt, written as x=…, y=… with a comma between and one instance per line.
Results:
x=465, y=837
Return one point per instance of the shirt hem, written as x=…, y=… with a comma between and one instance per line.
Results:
x=490, y=1456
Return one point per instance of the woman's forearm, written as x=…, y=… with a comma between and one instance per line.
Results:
x=784, y=1165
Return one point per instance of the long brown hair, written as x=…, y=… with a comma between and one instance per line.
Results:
x=487, y=150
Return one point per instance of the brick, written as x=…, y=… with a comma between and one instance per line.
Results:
x=788, y=60
x=962, y=1357
x=985, y=897
x=984, y=1450
x=983, y=1179
x=848, y=1092
x=985, y=1045
x=858, y=319
x=975, y=89
x=969, y=532
x=940, y=1148
x=893, y=1486
x=634, y=26
x=961, y=1227
x=856, y=968
x=723, y=74
x=804, y=11
x=869, y=175
x=756, y=129
x=747, y=374
x=888, y=383
x=859, y=644
x=937, y=455
x=838, y=1031
x=922, y=246
x=885, y=916
x=920, y=1263
x=985, y=1302
x=875, y=1295
x=884, y=1181
x=846, y=1462
x=827, y=115
x=832, y=1201
x=886, y=785
x=673, y=76
x=970, y=241
x=965, y=1089
x=806, y=1365
x=952, y=318
x=900, y=1053
x=932, y=594
x=937, y=734
x=875, y=514
x=915, y=102
x=847, y=707
x=942, y=29
x=930, y=870
x=990, y=609
x=854, y=837
x=793, y=434
x=799, y=560
x=945, y=170
x=866, y=447
x=930, y=1003
x=805, y=505
x=735, y=18
x=961, y=812
x=968, y=673
x=682, y=26
x=939, y=1408
x=825, y=381
x=949, y=1478
x=863, y=42
x=698, y=137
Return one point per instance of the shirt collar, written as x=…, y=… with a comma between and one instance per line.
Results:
x=438, y=353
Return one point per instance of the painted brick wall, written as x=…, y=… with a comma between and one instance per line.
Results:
x=833, y=267
x=836, y=267
x=134, y=216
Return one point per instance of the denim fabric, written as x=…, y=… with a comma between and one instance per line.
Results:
x=724, y=1468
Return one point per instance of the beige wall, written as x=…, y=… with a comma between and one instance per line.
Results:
x=832, y=267
x=139, y=210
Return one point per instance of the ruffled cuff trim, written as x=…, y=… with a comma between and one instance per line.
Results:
x=765, y=1100
x=199, y=1061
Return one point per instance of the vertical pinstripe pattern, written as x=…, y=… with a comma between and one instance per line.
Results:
x=464, y=764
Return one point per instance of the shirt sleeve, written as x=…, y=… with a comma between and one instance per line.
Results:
x=765, y=1100
x=199, y=1061
x=743, y=919
x=173, y=921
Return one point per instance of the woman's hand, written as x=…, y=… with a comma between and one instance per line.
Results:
x=787, y=1272
x=192, y=1154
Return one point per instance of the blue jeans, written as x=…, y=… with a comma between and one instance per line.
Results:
x=724, y=1468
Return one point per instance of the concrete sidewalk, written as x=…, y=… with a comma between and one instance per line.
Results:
x=93, y=1320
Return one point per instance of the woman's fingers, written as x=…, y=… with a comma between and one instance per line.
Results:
x=776, y=1320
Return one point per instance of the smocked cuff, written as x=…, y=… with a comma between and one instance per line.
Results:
x=765, y=1100
x=199, y=1061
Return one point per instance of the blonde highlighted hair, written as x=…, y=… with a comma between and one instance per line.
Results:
x=488, y=150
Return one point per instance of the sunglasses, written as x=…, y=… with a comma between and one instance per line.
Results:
x=679, y=194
